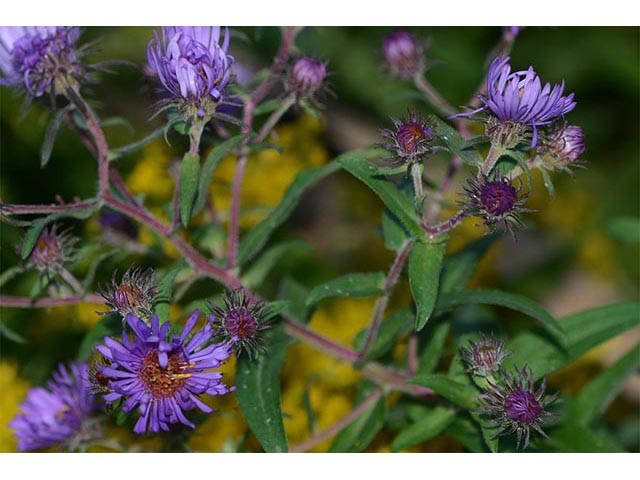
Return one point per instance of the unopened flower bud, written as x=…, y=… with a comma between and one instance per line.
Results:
x=562, y=148
x=306, y=76
x=403, y=53
x=135, y=294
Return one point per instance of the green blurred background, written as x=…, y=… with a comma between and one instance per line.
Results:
x=571, y=257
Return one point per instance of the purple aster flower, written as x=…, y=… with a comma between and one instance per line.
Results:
x=404, y=54
x=161, y=374
x=306, y=76
x=135, y=294
x=495, y=201
x=410, y=140
x=242, y=322
x=516, y=406
x=562, y=148
x=516, y=100
x=485, y=356
x=55, y=414
x=42, y=59
x=192, y=66
x=53, y=249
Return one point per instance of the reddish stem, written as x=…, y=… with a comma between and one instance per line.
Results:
x=21, y=302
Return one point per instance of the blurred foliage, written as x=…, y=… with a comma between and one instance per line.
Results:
x=570, y=256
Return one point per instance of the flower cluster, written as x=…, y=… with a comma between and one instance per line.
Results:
x=516, y=101
x=58, y=413
x=193, y=67
x=160, y=374
x=40, y=59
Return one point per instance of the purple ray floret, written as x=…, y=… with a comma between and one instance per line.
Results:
x=52, y=415
x=161, y=374
x=520, y=97
x=191, y=63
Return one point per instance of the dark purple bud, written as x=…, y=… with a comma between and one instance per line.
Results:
x=403, y=54
x=242, y=322
x=306, y=76
x=410, y=140
x=521, y=407
x=498, y=197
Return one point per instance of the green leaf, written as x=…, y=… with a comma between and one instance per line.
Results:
x=358, y=434
x=50, y=136
x=260, y=268
x=460, y=267
x=189, y=172
x=579, y=439
x=454, y=141
x=425, y=263
x=165, y=290
x=10, y=335
x=273, y=309
x=392, y=328
x=504, y=299
x=255, y=239
x=124, y=150
x=258, y=393
x=489, y=432
x=429, y=426
x=626, y=229
x=109, y=326
x=268, y=106
x=468, y=433
x=399, y=202
x=10, y=273
x=548, y=183
x=598, y=394
x=454, y=391
x=584, y=330
x=209, y=166
x=430, y=355
x=395, y=235
x=31, y=237
x=350, y=285
x=296, y=296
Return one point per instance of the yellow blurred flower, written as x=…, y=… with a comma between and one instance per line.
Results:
x=14, y=390
x=270, y=172
x=151, y=174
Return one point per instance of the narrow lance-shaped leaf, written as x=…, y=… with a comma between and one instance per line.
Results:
x=454, y=141
x=460, y=267
x=598, y=394
x=585, y=330
x=429, y=426
x=351, y=285
x=255, y=239
x=504, y=299
x=209, y=165
x=392, y=328
x=189, y=173
x=50, y=136
x=454, y=391
x=396, y=199
x=425, y=263
x=260, y=268
x=258, y=393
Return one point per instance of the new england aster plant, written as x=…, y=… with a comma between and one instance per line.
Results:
x=365, y=377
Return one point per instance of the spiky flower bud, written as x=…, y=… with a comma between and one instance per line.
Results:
x=136, y=293
x=403, y=54
x=243, y=321
x=410, y=140
x=496, y=201
x=485, y=356
x=306, y=76
x=52, y=251
x=516, y=406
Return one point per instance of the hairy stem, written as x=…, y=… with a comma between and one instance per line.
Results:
x=369, y=400
x=274, y=118
x=445, y=226
x=9, y=209
x=23, y=302
x=495, y=152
